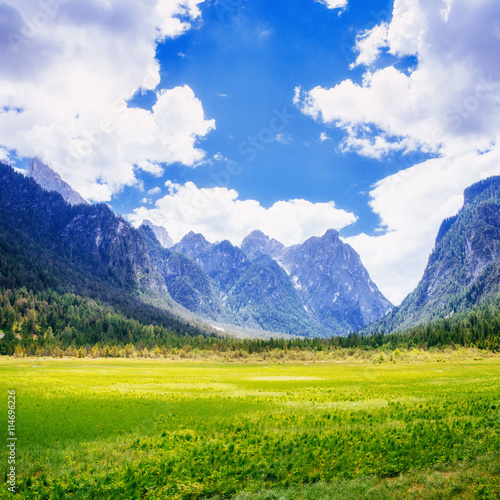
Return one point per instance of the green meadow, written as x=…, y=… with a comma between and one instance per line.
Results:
x=156, y=429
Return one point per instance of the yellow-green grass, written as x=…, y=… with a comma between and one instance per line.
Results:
x=155, y=429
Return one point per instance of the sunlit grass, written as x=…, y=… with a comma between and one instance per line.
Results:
x=158, y=429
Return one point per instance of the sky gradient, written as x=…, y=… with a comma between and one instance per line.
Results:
x=290, y=116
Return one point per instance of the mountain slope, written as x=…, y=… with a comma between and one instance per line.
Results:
x=223, y=262
x=464, y=268
x=333, y=283
x=49, y=180
x=45, y=243
x=264, y=297
x=186, y=281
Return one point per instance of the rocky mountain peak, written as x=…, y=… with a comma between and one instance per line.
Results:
x=193, y=245
x=333, y=283
x=257, y=243
x=331, y=236
x=257, y=235
x=49, y=180
x=161, y=234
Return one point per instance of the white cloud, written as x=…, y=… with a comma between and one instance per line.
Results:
x=324, y=137
x=4, y=155
x=411, y=205
x=334, y=4
x=297, y=97
x=369, y=43
x=449, y=103
x=219, y=214
x=284, y=138
x=156, y=190
x=68, y=70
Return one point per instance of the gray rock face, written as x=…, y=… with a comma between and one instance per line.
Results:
x=317, y=288
x=49, y=180
x=257, y=244
x=161, y=234
x=264, y=297
x=335, y=287
x=225, y=264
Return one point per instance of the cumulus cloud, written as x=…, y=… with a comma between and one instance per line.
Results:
x=369, y=44
x=449, y=103
x=156, y=190
x=69, y=70
x=219, y=214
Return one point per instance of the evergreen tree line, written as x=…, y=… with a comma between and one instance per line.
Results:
x=50, y=323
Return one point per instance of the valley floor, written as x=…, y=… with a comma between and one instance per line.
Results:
x=156, y=428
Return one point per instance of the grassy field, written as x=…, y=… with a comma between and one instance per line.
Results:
x=155, y=429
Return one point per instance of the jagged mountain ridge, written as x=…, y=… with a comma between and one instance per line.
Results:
x=335, y=292
x=257, y=294
x=257, y=244
x=463, y=270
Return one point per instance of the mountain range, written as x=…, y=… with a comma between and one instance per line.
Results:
x=320, y=286
x=51, y=238
x=317, y=288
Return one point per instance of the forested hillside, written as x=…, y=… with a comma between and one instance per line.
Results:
x=50, y=246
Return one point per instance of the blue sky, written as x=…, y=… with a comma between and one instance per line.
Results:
x=293, y=117
x=243, y=61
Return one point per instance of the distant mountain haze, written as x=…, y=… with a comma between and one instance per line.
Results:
x=161, y=234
